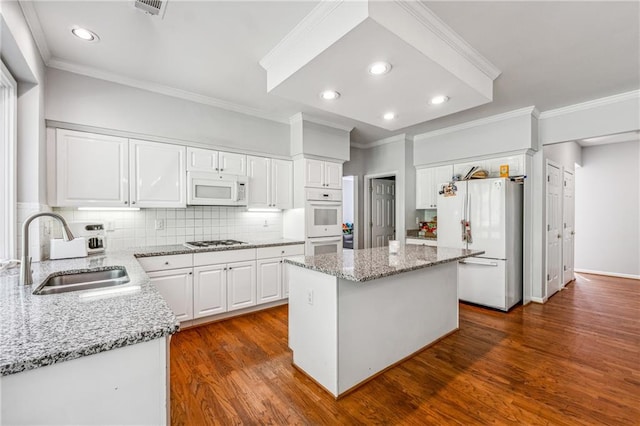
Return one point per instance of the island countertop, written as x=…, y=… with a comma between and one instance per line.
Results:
x=371, y=264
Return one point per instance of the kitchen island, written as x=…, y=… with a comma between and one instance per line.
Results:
x=354, y=315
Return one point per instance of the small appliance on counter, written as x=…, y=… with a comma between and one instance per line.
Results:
x=93, y=233
x=61, y=249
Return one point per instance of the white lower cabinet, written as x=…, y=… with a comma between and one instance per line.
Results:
x=241, y=285
x=206, y=284
x=209, y=290
x=270, y=272
x=176, y=286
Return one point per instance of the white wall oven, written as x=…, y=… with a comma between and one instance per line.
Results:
x=213, y=189
x=323, y=245
x=323, y=213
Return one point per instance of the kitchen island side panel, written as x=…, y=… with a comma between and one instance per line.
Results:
x=313, y=324
x=386, y=320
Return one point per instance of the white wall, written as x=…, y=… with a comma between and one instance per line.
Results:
x=600, y=117
x=78, y=99
x=387, y=158
x=347, y=199
x=514, y=131
x=566, y=154
x=310, y=137
x=608, y=209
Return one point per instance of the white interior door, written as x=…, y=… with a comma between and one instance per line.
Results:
x=554, y=224
x=568, y=218
x=383, y=212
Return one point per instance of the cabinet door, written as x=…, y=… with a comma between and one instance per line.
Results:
x=158, y=175
x=209, y=290
x=282, y=184
x=314, y=173
x=285, y=280
x=424, y=189
x=441, y=175
x=333, y=175
x=91, y=170
x=176, y=286
x=232, y=163
x=259, y=173
x=269, y=279
x=202, y=160
x=241, y=285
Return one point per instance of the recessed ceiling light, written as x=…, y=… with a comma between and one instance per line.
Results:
x=389, y=116
x=84, y=34
x=379, y=68
x=329, y=95
x=440, y=99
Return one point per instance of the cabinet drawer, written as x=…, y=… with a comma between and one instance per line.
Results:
x=225, y=256
x=161, y=263
x=280, y=251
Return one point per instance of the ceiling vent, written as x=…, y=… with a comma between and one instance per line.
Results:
x=151, y=7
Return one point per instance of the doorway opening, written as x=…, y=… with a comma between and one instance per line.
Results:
x=380, y=209
x=350, y=226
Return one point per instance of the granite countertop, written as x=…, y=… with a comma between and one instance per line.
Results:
x=181, y=249
x=42, y=330
x=371, y=264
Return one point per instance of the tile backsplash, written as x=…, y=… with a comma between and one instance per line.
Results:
x=138, y=228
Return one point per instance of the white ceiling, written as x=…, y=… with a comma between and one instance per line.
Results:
x=551, y=54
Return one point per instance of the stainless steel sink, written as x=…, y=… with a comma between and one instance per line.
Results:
x=75, y=281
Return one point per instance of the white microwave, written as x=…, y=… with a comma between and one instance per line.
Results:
x=214, y=189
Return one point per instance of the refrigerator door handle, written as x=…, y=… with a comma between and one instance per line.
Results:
x=477, y=262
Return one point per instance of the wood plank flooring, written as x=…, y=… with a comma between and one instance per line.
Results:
x=573, y=361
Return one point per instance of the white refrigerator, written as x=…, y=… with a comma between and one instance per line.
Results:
x=485, y=214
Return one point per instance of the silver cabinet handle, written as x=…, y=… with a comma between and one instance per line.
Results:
x=126, y=202
x=471, y=262
x=133, y=202
x=166, y=263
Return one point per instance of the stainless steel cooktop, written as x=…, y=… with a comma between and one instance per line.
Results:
x=213, y=243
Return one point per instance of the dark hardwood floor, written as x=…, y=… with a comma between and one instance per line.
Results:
x=574, y=360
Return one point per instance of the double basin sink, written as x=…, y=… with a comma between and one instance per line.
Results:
x=83, y=280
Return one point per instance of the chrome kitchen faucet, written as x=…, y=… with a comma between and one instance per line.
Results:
x=25, y=267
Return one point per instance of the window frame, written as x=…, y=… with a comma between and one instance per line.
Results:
x=8, y=159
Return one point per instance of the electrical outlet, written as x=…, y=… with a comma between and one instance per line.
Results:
x=109, y=226
x=159, y=224
x=266, y=224
x=310, y=297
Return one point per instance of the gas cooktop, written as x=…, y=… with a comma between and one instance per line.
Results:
x=213, y=243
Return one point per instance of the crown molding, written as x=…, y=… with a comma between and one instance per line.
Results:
x=163, y=90
x=307, y=24
x=634, y=94
x=306, y=117
x=435, y=25
x=475, y=123
x=402, y=137
x=33, y=21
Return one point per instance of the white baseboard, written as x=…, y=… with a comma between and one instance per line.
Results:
x=539, y=299
x=610, y=274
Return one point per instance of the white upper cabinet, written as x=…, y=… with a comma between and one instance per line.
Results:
x=158, y=175
x=232, y=163
x=202, y=160
x=322, y=174
x=428, y=183
x=282, y=184
x=207, y=160
x=270, y=183
x=259, y=173
x=91, y=170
